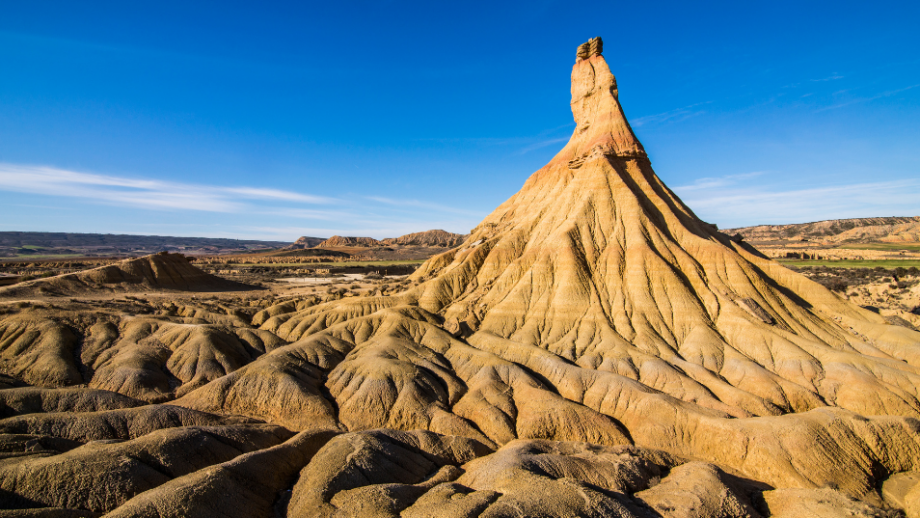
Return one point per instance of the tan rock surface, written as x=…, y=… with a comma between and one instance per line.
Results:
x=898, y=486
x=245, y=487
x=427, y=238
x=336, y=241
x=888, y=230
x=699, y=490
x=307, y=242
x=111, y=424
x=159, y=272
x=339, y=479
x=818, y=503
x=29, y=400
x=101, y=476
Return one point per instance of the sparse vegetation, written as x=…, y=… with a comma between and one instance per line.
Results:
x=893, y=263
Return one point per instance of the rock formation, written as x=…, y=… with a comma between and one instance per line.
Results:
x=593, y=47
x=336, y=241
x=159, y=272
x=427, y=238
x=857, y=230
x=305, y=242
x=591, y=349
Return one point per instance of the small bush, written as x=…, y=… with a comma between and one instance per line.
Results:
x=835, y=284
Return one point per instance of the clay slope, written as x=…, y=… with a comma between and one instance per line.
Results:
x=858, y=230
x=427, y=238
x=158, y=272
x=335, y=241
x=591, y=349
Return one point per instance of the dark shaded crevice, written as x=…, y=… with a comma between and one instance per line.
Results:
x=547, y=384
x=323, y=390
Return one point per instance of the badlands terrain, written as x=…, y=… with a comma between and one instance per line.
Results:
x=893, y=230
x=862, y=239
x=591, y=349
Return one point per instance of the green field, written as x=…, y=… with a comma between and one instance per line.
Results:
x=259, y=251
x=28, y=257
x=882, y=246
x=891, y=263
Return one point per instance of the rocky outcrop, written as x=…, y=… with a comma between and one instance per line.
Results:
x=159, y=272
x=857, y=230
x=427, y=238
x=305, y=242
x=592, y=47
x=337, y=241
x=102, y=476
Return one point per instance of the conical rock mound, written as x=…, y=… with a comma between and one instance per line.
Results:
x=613, y=303
x=157, y=272
x=596, y=260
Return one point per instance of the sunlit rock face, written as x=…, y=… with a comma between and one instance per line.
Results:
x=591, y=349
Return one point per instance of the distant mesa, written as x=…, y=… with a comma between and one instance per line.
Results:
x=428, y=238
x=159, y=272
x=50, y=244
x=888, y=230
x=310, y=252
x=336, y=241
x=431, y=238
x=306, y=242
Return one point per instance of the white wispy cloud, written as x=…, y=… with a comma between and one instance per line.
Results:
x=731, y=205
x=139, y=192
x=721, y=181
x=374, y=216
x=324, y=215
x=882, y=95
x=423, y=205
x=277, y=194
x=833, y=77
x=675, y=115
x=543, y=143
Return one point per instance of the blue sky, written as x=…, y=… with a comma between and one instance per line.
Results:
x=274, y=120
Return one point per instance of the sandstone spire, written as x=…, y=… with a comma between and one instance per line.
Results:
x=602, y=128
x=592, y=47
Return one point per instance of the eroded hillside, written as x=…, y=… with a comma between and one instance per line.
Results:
x=591, y=349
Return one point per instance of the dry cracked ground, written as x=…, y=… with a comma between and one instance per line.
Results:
x=591, y=349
